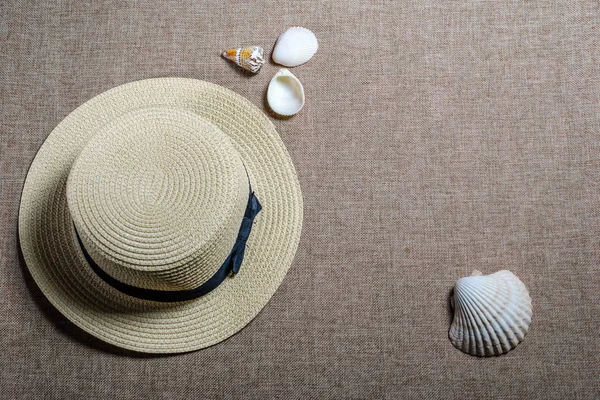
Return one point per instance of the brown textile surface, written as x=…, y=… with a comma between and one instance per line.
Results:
x=437, y=137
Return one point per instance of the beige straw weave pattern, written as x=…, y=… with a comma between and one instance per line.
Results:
x=168, y=228
x=157, y=197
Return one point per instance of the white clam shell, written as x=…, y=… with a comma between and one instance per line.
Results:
x=285, y=94
x=492, y=313
x=295, y=46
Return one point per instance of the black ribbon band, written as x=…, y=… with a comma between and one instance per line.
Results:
x=232, y=264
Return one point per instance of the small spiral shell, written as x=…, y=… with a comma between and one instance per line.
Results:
x=250, y=58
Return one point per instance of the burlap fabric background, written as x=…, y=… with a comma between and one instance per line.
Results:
x=437, y=137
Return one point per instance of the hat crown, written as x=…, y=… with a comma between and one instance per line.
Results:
x=157, y=197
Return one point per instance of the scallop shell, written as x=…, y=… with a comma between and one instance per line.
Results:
x=285, y=94
x=295, y=46
x=492, y=313
x=250, y=58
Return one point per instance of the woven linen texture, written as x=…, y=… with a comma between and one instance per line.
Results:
x=437, y=137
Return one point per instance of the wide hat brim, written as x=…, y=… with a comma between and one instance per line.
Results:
x=58, y=266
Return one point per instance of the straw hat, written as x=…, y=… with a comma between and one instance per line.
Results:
x=161, y=215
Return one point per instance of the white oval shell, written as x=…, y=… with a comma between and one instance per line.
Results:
x=285, y=94
x=295, y=46
x=492, y=313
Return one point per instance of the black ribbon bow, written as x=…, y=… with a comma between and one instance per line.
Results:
x=232, y=263
x=237, y=253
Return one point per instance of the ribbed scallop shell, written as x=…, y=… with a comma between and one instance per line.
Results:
x=492, y=313
x=250, y=58
x=295, y=46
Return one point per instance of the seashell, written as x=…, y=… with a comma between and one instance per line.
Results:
x=285, y=94
x=250, y=58
x=295, y=46
x=492, y=313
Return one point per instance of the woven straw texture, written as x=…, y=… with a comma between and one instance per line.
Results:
x=157, y=197
x=101, y=199
x=438, y=137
